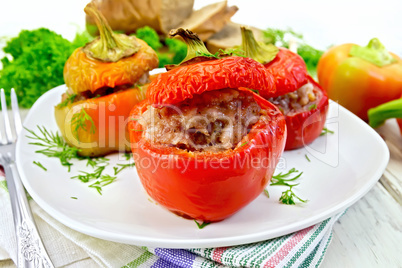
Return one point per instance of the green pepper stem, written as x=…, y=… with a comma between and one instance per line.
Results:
x=261, y=52
x=375, y=52
x=379, y=114
x=109, y=47
x=195, y=46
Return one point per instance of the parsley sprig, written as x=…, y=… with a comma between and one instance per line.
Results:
x=287, y=179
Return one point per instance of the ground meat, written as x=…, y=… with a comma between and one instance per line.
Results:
x=103, y=91
x=212, y=121
x=303, y=99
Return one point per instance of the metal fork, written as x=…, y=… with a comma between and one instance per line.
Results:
x=31, y=252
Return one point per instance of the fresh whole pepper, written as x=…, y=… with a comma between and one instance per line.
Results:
x=304, y=123
x=208, y=186
x=360, y=78
x=379, y=114
x=102, y=80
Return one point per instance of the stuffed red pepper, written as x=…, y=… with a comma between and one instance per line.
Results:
x=204, y=145
x=303, y=102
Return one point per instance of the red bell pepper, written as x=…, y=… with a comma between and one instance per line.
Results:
x=209, y=186
x=290, y=73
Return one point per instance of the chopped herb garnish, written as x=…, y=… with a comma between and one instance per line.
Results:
x=201, y=225
x=121, y=167
x=73, y=197
x=67, y=101
x=128, y=156
x=40, y=165
x=87, y=176
x=288, y=196
x=79, y=121
x=266, y=192
x=281, y=179
x=325, y=131
x=243, y=144
x=308, y=159
x=3, y=184
x=97, y=186
x=313, y=106
x=93, y=162
x=103, y=181
x=255, y=91
x=53, y=146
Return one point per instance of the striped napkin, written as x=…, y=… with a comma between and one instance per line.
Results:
x=69, y=248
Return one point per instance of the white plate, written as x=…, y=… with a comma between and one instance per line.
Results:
x=344, y=166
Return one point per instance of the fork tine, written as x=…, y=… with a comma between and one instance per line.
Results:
x=16, y=112
x=6, y=121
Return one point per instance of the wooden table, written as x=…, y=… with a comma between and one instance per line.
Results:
x=370, y=233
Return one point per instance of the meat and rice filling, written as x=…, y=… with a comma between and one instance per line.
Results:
x=103, y=91
x=303, y=99
x=212, y=121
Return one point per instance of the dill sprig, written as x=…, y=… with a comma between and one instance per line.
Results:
x=103, y=181
x=325, y=131
x=128, y=156
x=121, y=167
x=79, y=121
x=201, y=225
x=285, y=179
x=288, y=196
x=88, y=176
x=53, y=146
x=313, y=106
x=70, y=99
x=93, y=162
x=39, y=165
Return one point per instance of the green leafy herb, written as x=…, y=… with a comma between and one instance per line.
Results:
x=285, y=179
x=88, y=176
x=288, y=196
x=244, y=143
x=281, y=38
x=201, y=225
x=266, y=192
x=73, y=197
x=308, y=159
x=103, y=181
x=169, y=51
x=3, y=184
x=325, y=131
x=313, y=106
x=121, y=167
x=97, y=186
x=34, y=63
x=79, y=121
x=93, y=162
x=150, y=36
x=40, y=165
x=67, y=101
x=53, y=146
x=128, y=156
